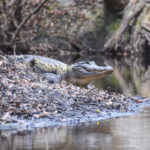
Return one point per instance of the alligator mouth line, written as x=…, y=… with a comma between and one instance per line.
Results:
x=86, y=77
x=99, y=69
x=96, y=74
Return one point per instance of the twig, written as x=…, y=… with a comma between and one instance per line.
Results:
x=25, y=20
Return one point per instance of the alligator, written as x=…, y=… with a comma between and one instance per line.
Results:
x=80, y=73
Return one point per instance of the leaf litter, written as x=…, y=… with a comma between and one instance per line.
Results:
x=25, y=96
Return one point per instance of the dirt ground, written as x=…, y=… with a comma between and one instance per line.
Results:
x=28, y=101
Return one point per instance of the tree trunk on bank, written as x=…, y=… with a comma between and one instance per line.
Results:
x=136, y=21
x=115, y=6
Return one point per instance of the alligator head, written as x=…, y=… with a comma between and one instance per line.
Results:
x=83, y=72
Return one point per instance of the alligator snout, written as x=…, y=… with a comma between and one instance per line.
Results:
x=109, y=68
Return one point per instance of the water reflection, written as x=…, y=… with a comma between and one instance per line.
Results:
x=126, y=133
x=130, y=77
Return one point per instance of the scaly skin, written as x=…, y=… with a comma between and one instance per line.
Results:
x=81, y=73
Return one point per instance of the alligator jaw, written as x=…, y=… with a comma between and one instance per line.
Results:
x=84, y=72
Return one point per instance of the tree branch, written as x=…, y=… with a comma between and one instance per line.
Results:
x=25, y=20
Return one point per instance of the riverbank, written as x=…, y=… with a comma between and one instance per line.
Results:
x=28, y=101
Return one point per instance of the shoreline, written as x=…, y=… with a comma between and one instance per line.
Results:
x=28, y=101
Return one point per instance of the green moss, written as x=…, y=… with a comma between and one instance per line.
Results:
x=140, y=20
x=139, y=23
x=114, y=26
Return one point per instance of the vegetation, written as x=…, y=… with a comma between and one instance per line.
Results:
x=44, y=26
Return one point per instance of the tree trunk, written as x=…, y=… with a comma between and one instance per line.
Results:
x=115, y=6
x=136, y=20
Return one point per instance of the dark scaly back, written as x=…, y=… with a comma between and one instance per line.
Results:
x=50, y=65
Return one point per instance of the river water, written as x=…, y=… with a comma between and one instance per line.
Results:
x=124, y=133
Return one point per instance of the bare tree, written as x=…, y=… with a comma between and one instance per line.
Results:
x=13, y=17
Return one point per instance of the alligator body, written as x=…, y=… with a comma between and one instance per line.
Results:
x=80, y=73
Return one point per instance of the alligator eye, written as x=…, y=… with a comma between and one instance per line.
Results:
x=83, y=62
x=87, y=62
